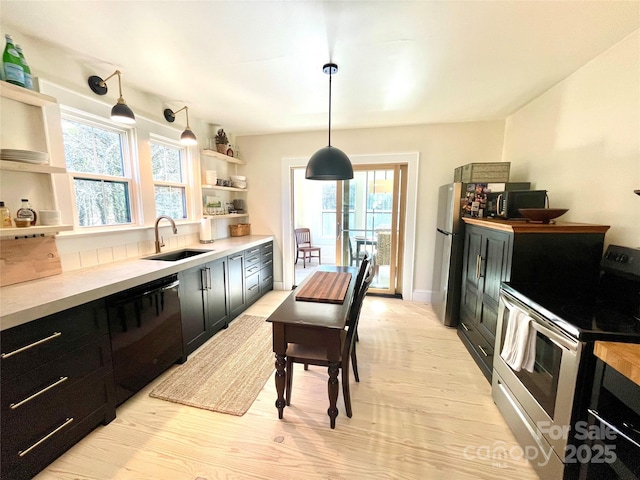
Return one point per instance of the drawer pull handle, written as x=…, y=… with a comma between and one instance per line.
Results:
x=466, y=329
x=268, y=278
x=255, y=250
x=237, y=257
x=13, y=406
x=484, y=352
x=268, y=262
x=22, y=453
x=253, y=287
x=11, y=354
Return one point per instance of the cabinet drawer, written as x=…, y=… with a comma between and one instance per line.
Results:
x=266, y=250
x=253, y=287
x=479, y=348
x=44, y=435
x=251, y=256
x=251, y=269
x=35, y=386
x=28, y=346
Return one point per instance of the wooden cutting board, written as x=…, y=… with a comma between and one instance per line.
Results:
x=325, y=287
x=27, y=259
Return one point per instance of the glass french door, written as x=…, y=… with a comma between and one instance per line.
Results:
x=369, y=213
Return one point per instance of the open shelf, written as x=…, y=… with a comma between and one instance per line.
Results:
x=24, y=95
x=222, y=156
x=35, y=230
x=228, y=215
x=228, y=189
x=30, y=167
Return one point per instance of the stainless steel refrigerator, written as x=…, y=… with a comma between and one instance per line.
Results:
x=447, y=265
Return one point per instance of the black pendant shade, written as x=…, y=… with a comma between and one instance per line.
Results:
x=329, y=163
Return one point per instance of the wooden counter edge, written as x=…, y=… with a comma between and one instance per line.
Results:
x=527, y=227
x=624, y=357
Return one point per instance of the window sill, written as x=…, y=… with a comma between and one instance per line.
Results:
x=89, y=231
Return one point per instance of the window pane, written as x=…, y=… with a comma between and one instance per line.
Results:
x=90, y=149
x=101, y=202
x=171, y=201
x=165, y=163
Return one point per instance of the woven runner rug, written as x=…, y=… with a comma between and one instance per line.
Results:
x=227, y=373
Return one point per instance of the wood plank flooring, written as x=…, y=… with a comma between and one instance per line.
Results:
x=422, y=410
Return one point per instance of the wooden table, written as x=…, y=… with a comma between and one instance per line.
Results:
x=314, y=323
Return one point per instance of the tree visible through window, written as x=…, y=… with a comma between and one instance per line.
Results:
x=95, y=155
x=168, y=177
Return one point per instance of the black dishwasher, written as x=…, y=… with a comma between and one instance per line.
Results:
x=146, y=334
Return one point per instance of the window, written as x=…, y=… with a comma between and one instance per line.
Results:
x=98, y=157
x=168, y=167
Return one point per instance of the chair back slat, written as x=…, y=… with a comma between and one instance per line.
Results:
x=354, y=311
x=303, y=237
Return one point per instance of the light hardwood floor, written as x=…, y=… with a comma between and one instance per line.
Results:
x=422, y=410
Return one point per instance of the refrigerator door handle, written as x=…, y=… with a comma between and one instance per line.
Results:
x=446, y=233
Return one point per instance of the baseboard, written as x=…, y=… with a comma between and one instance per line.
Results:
x=422, y=296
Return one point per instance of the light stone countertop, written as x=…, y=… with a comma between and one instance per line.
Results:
x=27, y=301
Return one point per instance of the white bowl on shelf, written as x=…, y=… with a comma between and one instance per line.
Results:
x=238, y=184
x=238, y=178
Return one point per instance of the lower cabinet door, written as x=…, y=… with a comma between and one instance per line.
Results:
x=192, y=308
x=237, y=299
x=217, y=304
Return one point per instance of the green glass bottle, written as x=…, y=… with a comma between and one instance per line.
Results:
x=28, y=79
x=12, y=66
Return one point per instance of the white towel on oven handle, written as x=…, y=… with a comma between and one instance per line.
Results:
x=519, y=350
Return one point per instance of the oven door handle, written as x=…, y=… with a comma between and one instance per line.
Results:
x=556, y=338
x=559, y=340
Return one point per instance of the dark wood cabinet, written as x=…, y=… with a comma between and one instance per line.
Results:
x=266, y=268
x=203, y=302
x=237, y=296
x=500, y=251
x=57, y=385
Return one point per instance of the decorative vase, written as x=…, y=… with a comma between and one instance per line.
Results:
x=221, y=148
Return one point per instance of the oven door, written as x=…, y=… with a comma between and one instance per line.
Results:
x=546, y=394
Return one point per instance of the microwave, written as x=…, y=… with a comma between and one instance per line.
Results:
x=509, y=202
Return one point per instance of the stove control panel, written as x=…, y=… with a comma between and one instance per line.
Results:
x=622, y=260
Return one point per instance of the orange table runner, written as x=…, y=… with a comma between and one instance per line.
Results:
x=325, y=287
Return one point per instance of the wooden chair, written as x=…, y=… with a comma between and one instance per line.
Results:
x=303, y=245
x=310, y=355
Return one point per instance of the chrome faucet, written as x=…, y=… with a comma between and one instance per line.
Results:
x=160, y=240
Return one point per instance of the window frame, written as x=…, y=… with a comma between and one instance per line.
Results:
x=129, y=161
x=184, y=172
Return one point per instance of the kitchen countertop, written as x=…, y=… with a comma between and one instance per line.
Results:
x=522, y=226
x=624, y=357
x=27, y=301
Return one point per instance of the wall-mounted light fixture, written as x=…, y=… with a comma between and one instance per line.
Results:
x=329, y=163
x=120, y=111
x=187, y=137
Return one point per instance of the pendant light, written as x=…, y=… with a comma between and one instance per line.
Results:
x=329, y=163
x=120, y=112
x=187, y=137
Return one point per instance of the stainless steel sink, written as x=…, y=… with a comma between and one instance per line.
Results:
x=177, y=255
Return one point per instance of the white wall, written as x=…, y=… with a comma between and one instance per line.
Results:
x=441, y=147
x=581, y=141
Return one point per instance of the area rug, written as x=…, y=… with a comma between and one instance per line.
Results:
x=227, y=373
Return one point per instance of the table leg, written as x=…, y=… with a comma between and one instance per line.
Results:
x=334, y=367
x=280, y=380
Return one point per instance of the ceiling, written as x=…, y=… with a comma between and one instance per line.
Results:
x=256, y=66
